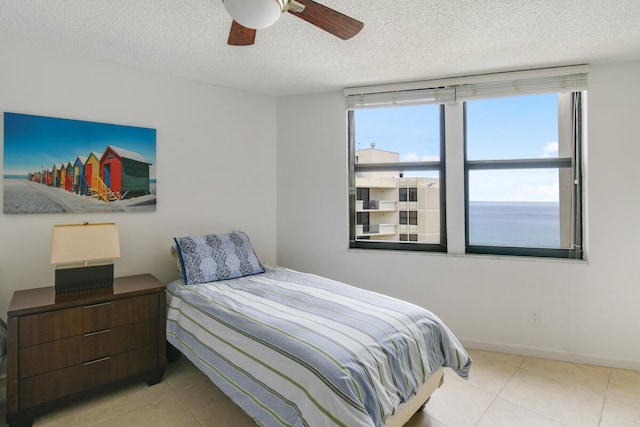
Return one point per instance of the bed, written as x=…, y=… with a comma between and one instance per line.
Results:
x=296, y=349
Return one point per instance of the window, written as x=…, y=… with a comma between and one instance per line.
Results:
x=362, y=194
x=413, y=194
x=397, y=161
x=404, y=217
x=519, y=138
x=408, y=237
x=363, y=218
x=413, y=217
x=519, y=170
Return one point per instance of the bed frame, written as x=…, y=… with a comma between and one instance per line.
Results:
x=409, y=408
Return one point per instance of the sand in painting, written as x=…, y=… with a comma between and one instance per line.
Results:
x=23, y=196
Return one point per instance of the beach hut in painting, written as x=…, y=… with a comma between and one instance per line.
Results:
x=125, y=172
x=80, y=184
x=68, y=177
x=92, y=167
x=62, y=172
x=55, y=171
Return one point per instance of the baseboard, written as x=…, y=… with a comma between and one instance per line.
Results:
x=544, y=353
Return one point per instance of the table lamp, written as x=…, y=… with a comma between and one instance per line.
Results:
x=83, y=255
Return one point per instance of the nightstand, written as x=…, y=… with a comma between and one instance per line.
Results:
x=62, y=345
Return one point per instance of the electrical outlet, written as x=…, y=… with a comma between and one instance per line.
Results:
x=534, y=317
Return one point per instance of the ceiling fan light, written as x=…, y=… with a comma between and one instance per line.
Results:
x=256, y=14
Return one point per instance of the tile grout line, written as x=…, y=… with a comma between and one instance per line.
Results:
x=497, y=395
x=520, y=368
x=604, y=398
x=182, y=402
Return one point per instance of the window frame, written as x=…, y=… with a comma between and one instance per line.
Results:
x=454, y=92
x=573, y=163
x=438, y=166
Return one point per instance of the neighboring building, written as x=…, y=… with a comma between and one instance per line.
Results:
x=395, y=208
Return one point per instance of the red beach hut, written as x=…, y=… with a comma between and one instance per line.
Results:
x=125, y=172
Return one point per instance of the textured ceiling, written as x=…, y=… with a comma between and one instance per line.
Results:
x=401, y=40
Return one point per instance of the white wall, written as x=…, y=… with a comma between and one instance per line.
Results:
x=216, y=155
x=588, y=310
x=215, y=161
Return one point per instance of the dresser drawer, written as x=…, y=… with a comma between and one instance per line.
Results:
x=40, y=358
x=63, y=382
x=60, y=346
x=59, y=324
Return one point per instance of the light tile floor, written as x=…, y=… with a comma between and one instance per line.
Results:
x=503, y=390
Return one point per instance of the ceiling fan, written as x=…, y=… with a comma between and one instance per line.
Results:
x=252, y=15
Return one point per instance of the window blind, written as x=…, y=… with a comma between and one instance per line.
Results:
x=526, y=82
x=401, y=98
x=523, y=86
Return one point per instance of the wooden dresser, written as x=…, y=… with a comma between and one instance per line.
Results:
x=59, y=346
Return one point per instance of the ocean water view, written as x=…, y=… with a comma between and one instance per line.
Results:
x=523, y=224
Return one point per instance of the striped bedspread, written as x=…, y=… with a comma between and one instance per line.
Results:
x=295, y=349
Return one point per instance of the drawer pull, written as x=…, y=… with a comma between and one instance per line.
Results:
x=98, y=304
x=104, y=331
x=102, y=359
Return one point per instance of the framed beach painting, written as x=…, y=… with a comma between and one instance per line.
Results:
x=54, y=165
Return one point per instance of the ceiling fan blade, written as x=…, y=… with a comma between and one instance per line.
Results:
x=328, y=19
x=241, y=36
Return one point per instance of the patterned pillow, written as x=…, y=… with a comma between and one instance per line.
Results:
x=216, y=257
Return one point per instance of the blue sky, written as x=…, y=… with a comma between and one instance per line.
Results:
x=499, y=128
x=411, y=131
x=34, y=142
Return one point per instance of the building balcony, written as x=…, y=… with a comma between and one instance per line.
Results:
x=375, y=205
x=386, y=182
x=375, y=230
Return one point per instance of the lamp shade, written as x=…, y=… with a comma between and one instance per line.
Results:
x=75, y=243
x=256, y=14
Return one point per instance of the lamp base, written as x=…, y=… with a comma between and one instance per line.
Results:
x=83, y=278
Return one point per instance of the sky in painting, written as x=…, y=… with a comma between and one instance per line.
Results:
x=36, y=143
